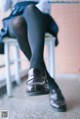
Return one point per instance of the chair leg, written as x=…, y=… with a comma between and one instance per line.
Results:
x=51, y=55
x=8, y=76
x=48, y=59
x=17, y=74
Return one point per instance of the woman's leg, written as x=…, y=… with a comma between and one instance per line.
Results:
x=36, y=31
x=37, y=26
x=18, y=29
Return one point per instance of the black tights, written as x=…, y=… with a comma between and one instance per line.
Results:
x=30, y=29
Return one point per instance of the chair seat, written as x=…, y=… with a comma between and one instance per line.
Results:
x=48, y=35
x=8, y=39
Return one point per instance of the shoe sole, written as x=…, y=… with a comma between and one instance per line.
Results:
x=37, y=93
x=59, y=110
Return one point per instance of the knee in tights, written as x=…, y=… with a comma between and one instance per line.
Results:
x=18, y=23
x=29, y=7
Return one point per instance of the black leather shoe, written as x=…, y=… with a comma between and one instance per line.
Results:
x=37, y=82
x=57, y=100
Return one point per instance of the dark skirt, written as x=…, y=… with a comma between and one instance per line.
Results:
x=17, y=10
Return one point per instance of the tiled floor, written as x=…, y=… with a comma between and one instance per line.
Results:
x=20, y=106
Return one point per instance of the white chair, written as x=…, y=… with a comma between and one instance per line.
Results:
x=49, y=41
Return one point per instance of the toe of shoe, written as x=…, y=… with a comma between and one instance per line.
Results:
x=59, y=105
